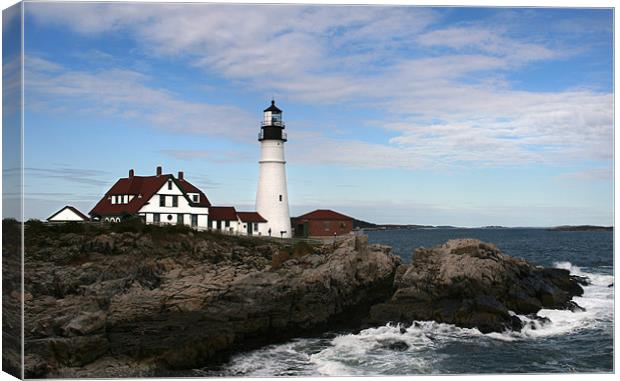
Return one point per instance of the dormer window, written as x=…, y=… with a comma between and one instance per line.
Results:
x=195, y=197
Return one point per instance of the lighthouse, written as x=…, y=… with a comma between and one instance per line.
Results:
x=271, y=195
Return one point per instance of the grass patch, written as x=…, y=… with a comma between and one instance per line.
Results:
x=299, y=249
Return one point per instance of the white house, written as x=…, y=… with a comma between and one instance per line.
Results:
x=159, y=199
x=68, y=214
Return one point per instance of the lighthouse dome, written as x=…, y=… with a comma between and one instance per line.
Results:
x=273, y=108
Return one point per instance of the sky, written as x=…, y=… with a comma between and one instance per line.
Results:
x=395, y=114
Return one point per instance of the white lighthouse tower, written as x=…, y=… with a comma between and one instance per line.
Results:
x=271, y=195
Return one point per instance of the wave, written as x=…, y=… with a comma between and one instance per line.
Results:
x=423, y=347
x=372, y=345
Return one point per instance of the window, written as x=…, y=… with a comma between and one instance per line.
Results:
x=175, y=201
x=280, y=197
x=162, y=200
x=156, y=218
x=169, y=184
x=219, y=225
x=179, y=219
x=195, y=198
x=227, y=224
x=169, y=217
x=255, y=226
x=194, y=220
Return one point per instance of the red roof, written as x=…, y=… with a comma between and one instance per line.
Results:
x=222, y=213
x=324, y=214
x=73, y=209
x=188, y=187
x=143, y=188
x=250, y=217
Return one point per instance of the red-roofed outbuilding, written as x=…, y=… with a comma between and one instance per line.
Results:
x=322, y=223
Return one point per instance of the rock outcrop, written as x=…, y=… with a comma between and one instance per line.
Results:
x=135, y=304
x=470, y=283
x=155, y=301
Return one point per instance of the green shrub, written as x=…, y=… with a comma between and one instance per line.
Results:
x=163, y=231
x=301, y=249
x=70, y=227
x=128, y=225
x=279, y=258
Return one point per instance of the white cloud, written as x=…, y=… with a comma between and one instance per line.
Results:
x=592, y=174
x=491, y=41
x=128, y=94
x=448, y=108
x=213, y=155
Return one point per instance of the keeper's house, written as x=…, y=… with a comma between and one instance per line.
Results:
x=159, y=199
x=322, y=223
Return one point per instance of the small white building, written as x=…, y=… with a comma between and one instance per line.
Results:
x=227, y=220
x=251, y=223
x=158, y=199
x=224, y=219
x=68, y=214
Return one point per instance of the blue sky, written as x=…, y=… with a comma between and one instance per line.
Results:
x=460, y=116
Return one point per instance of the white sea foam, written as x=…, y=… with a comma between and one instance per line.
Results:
x=597, y=299
x=369, y=352
x=276, y=360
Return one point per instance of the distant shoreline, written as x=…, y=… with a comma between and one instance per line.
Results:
x=581, y=228
x=363, y=225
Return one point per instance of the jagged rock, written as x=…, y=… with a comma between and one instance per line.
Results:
x=86, y=323
x=178, y=303
x=78, y=350
x=35, y=366
x=395, y=345
x=471, y=283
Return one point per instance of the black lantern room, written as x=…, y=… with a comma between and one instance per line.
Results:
x=272, y=126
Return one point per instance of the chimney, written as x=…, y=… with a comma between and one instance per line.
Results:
x=159, y=171
x=130, y=173
x=180, y=175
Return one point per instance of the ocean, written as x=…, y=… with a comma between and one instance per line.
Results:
x=570, y=342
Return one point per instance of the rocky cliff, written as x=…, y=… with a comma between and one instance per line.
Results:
x=148, y=301
x=111, y=304
x=471, y=283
